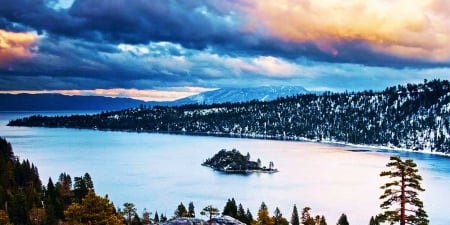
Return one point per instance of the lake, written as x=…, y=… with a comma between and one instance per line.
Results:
x=158, y=171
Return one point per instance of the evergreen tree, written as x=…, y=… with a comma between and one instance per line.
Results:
x=163, y=218
x=146, y=217
x=88, y=182
x=342, y=220
x=263, y=216
x=400, y=198
x=181, y=211
x=93, y=209
x=373, y=221
x=322, y=220
x=191, y=210
x=295, y=220
x=240, y=215
x=156, y=219
x=278, y=218
x=306, y=217
x=249, y=217
x=210, y=211
x=129, y=211
x=230, y=208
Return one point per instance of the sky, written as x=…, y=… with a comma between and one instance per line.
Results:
x=168, y=49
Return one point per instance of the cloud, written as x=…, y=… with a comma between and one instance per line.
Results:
x=414, y=29
x=16, y=45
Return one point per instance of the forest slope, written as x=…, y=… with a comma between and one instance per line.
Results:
x=414, y=116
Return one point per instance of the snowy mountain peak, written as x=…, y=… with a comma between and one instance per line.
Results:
x=263, y=93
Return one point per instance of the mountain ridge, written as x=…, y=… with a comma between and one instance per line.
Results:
x=43, y=102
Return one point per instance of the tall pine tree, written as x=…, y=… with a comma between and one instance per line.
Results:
x=400, y=198
x=295, y=220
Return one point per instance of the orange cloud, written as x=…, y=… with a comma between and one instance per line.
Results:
x=14, y=45
x=405, y=28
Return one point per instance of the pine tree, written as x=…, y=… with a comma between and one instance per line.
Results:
x=240, y=215
x=295, y=218
x=342, y=220
x=93, y=209
x=156, y=218
x=181, y=211
x=191, y=210
x=210, y=211
x=322, y=220
x=230, y=208
x=129, y=211
x=400, y=197
x=249, y=217
x=263, y=215
x=306, y=217
x=278, y=218
x=373, y=221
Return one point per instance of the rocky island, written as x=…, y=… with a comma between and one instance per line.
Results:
x=234, y=162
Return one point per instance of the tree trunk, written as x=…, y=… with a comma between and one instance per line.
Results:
x=402, y=200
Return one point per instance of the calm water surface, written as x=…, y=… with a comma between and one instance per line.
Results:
x=158, y=171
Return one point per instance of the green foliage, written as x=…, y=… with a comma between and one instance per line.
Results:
x=20, y=186
x=230, y=208
x=210, y=211
x=181, y=211
x=295, y=220
x=191, y=210
x=93, y=209
x=82, y=185
x=129, y=211
x=263, y=216
x=400, y=198
x=306, y=218
x=278, y=218
x=342, y=220
x=373, y=221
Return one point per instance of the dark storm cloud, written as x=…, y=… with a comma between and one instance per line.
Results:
x=193, y=24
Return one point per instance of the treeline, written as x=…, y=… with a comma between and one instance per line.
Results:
x=24, y=200
x=414, y=116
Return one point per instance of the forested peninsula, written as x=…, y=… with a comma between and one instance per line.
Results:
x=412, y=116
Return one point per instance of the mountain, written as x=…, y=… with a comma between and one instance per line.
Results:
x=43, y=102
x=414, y=116
x=234, y=95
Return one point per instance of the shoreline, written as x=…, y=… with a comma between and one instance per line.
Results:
x=259, y=137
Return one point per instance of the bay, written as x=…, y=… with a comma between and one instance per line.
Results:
x=158, y=171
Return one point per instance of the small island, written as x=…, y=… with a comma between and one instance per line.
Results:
x=234, y=162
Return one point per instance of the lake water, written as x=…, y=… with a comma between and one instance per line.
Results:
x=158, y=171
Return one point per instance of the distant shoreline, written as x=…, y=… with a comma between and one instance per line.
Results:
x=261, y=137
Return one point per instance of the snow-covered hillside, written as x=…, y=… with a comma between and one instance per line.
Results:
x=264, y=93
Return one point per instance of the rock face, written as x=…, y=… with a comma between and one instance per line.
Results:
x=234, y=162
x=226, y=220
x=185, y=221
x=223, y=220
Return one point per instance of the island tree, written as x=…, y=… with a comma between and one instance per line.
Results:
x=400, y=198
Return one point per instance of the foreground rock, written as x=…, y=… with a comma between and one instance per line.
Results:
x=223, y=220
